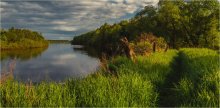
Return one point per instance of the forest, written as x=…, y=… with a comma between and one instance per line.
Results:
x=179, y=23
x=21, y=39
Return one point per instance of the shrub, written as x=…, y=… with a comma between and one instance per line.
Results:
x=144, y=44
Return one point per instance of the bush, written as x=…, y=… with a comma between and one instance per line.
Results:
x=144, y=44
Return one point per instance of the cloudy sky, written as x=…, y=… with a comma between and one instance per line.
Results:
x=63, y=19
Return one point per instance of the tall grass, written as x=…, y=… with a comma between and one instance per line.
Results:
x=42, y=95
x=200, y=76
x=23, y=44
x=128, y=84
x=155, y=67
x=95, y=90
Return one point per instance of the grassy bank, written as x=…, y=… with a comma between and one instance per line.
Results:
x=23, y=44
x=21, y=39
x=129, y=84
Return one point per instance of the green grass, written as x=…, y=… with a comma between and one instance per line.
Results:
x=92, y=91
x=200, y=77
x=129, y=84
x=23, y=44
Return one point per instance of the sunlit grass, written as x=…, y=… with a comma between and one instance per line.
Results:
x=200, y=77
x=23, y=44
x=129, y=84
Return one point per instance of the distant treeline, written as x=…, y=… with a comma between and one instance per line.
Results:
x=58, y=41
x=21, y=39
x=181, y=23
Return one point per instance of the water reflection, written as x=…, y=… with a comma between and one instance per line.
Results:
x=57, y=63
x=87, y=50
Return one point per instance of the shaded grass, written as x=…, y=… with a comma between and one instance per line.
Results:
x=167, y=90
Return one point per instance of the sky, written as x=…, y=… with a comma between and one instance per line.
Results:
x=64, y=19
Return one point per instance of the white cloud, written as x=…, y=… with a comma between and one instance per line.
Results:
x=68, y=17
x=65, y=28
x=59, y=22
x=31, y=6
x=3, y=3
x=48, y=14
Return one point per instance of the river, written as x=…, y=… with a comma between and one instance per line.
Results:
x=56, y=63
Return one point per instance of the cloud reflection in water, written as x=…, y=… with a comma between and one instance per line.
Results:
x=57, y=63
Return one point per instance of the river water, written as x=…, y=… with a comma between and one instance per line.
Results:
x=56, y=63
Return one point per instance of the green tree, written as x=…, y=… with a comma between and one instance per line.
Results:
x=169, y=16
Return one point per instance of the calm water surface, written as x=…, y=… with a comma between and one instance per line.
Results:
x=55, y=63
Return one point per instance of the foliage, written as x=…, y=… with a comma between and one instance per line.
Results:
x=21, y=39
x=144, y=44
x=58, y=41
x=142, y=48
x=181, y=23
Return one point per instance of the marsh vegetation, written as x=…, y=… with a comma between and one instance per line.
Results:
x=189, y=77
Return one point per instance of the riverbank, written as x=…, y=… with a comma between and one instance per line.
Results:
x=21, y=39
x=23, y=44
x=188, y=77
